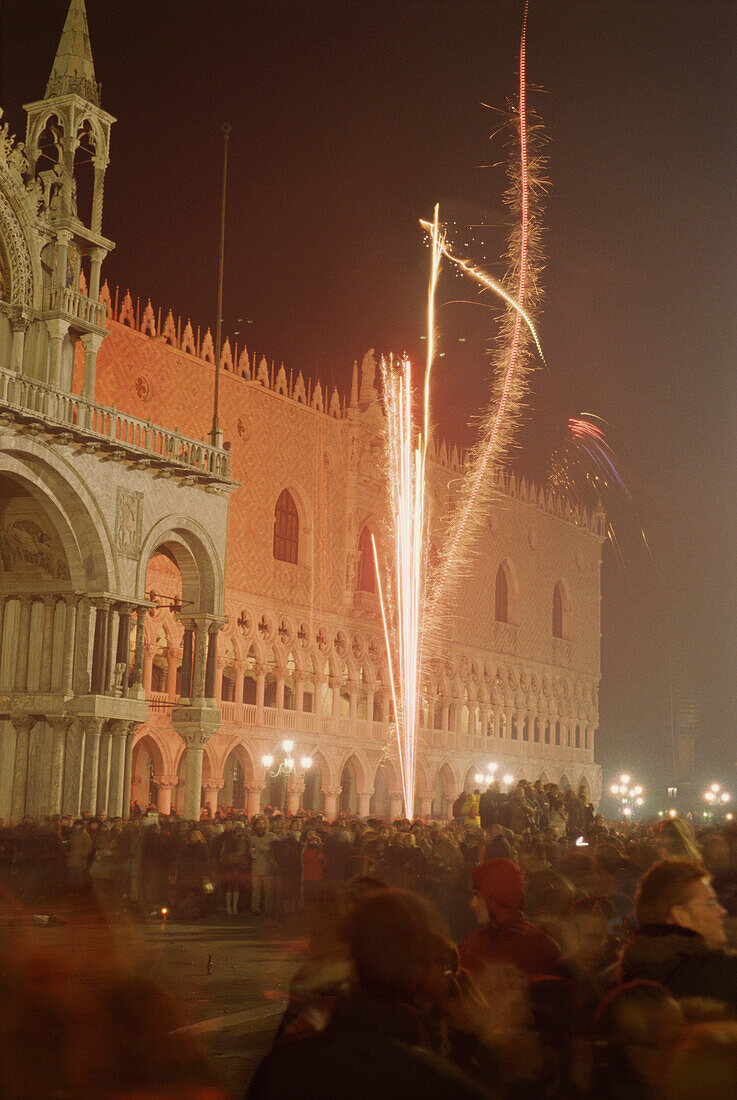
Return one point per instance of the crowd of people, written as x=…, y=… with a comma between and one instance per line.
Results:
x=523, y=948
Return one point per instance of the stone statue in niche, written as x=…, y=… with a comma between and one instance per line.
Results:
x=368, y=373
x=128, y=522
x=118, y=675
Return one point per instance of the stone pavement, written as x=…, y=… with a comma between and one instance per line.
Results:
x=229, y=976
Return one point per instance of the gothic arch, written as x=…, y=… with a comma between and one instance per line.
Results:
x=74, y=512
x=194, y=552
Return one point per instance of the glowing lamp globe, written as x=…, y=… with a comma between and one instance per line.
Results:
x=724, y=796
x=508, y=779
x=624, y=779
x=267, y=760
x=627, y=811
x=306, y=762
x=287, y=746
x=715, y=787
x=614, y=788
x=478, y=777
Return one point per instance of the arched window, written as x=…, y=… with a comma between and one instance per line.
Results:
x=286, y=528
x=366, y=570
x=560, y=612
x=501, y=596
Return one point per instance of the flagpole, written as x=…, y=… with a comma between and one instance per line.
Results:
x=216, y=436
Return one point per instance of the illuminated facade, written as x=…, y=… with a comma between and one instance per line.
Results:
x=193, y=654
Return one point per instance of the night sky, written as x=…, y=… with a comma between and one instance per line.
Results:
x=350, y=119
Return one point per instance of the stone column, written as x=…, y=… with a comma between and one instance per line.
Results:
x=335, y=682
x=96, y=219
x=200, y=663
x=97, y=255
x=280, y=678
x=57, y=330
x=149, y=652
x=47, y=645
x=118, y=737
x=59, y=727
x=444, y=712
x=253, y=798
x=128, y=769
x=332, y=794
x=92, y=731
x=211, y=665
x=23, y=724
x=67, y=662
x=352, y=702
x=165, y=785
x=21, y=660
x=396, y=806
x=370, y=693
x=260, y=685
x=136, y=688
x=91, y=343
x=100, y=647
x=240, y=669
x=426, y=808
x=193, y=781
x=211, y=794
x=299, y=691
x=172, y=656
x=188, y=645
x=295, y=790
x=103, y=770
x=122, y=650
x=73, y=769
x=19, y=324
x=364, y=803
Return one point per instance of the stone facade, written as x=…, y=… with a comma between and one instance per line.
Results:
x=129, y=517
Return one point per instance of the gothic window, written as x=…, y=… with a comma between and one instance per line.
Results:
x=366, y=571
x=501, y=596
x=286, y=528
x=560, y=612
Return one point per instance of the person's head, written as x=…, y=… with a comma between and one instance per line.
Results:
x=677, y=891
x=636, y=1028
x=499, y=892
x=259, y=825
x=589, y=920
x=391, y=941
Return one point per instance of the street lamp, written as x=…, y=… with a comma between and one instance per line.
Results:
x=630, y=795
x=488, y=779
x=286, y=768
x=716, y=797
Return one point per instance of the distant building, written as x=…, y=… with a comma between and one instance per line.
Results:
x=276, y=634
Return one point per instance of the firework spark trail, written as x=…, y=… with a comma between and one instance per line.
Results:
x=403, y=614
x=498, y=430
x=586, y=468
x=490, y=284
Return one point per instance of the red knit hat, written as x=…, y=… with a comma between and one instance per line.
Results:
x=500, y=884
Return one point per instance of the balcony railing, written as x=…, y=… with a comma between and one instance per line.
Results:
x=361, y=729
x=86, y=420
x=79, y=307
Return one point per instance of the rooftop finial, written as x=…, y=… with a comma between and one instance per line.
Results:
x=73, y=70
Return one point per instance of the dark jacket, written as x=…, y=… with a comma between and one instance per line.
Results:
x=682, y=961
x=369, y=1049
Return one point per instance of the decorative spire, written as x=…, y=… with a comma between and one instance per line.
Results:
x=73, y=70
x=354, y=387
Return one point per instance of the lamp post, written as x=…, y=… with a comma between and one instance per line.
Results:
x=716, y=799
x=488, y=778
x=631, y=796
x=286, y=768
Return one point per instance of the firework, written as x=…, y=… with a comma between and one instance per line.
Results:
x=585, y=468
x=403, y=603
x=511, y=366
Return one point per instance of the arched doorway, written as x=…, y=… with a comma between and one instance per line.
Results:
x=443, y=793
x=348, y=803
x=313, y=800
x=236, y=771
x=146, y=765
x=379, y=804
